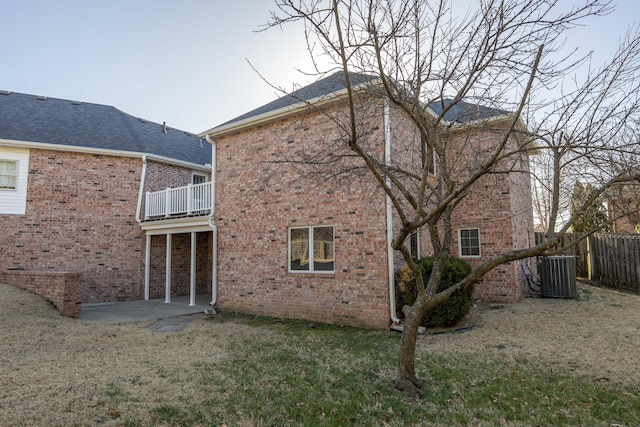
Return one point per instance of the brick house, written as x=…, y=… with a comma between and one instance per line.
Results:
x=133, y=209
x=296, y=247
x=74, y=178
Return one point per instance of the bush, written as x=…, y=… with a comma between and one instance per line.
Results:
x=449, y=312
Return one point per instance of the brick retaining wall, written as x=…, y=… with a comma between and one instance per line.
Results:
x=62, y=288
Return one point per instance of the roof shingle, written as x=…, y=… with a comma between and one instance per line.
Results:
x=461, y=112
x=31, y=118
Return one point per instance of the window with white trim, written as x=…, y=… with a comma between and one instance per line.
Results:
x=196, y=178
x=469, y=242
x=8, y=174
x=311, y=249
x=14, y=177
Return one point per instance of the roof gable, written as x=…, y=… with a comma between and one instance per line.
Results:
x=30, y=118
x=460, y=113
x=323, y=87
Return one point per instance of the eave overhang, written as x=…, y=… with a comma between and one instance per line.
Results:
x=102, y=151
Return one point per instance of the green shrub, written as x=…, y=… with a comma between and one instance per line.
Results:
x=449, y=312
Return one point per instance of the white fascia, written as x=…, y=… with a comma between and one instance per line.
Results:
x=102, y=151
x=283, y=112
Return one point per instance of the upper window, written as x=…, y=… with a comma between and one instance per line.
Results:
x=14, y=176
x=198, y=179
x=311, y=249
x=469, y=242
x=8, y=174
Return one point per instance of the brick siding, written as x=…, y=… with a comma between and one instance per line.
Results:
x=80, y=217
x=180, y=264
x=258, y=200
x=63, y=289
x=260, y=194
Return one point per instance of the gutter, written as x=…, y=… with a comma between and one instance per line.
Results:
x=103, y=151
x=387, y=159
x=212, y=225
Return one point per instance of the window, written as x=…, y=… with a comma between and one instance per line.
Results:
x=311, y=249
x=414, y=245
x=198, y=179
x=8, y=174
x=469, y=242
x=14, y=177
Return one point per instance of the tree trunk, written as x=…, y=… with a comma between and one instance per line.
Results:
x=406, y=379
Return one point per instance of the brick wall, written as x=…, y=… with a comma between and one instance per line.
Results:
x=63, y=289
x=499, y=205
x=260, y=195
x=180, y=264
x=80, y=217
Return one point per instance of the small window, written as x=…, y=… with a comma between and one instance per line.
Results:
x=198, y=179
x=469, y=242
x=8, y=174
x=414, y=245
x=311, y=249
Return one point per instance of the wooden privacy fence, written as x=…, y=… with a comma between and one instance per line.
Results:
x=615, y=261
x=612, y=260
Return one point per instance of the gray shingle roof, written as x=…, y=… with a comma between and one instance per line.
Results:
x=55, y=121
x=462, y=112
x=328, y=85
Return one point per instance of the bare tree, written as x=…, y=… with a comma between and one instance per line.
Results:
x=436, y=66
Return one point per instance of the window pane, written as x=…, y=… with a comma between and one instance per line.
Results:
x=198, y=179
x=8, y=174
x=299, y=249
x=470, y=242
x=8, y=167
x=413, y=245
x=323, y=248
x=8, y=182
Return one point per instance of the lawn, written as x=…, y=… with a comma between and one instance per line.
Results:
x=239, y=370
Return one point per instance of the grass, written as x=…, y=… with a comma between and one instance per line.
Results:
x=292, y=373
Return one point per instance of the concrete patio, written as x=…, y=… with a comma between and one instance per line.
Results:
x=136, y=311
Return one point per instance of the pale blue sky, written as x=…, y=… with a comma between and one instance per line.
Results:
x=180, y=61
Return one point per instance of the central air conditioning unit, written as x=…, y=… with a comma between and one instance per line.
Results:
x=558, y=277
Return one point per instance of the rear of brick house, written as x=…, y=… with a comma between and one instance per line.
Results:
x=74, y=202
x=264, y=203
x=268, y=239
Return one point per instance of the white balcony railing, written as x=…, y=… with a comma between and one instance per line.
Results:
x=194, y=199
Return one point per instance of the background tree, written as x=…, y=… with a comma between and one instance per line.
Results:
x=592, y=217
x=502, y=55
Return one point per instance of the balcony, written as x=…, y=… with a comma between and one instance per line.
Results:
x=193, y=199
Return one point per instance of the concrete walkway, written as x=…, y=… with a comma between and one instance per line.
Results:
x=171, y=317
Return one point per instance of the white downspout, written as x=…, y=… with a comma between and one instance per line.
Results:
x=141, y=190
x=147, y=254
x=214, y=229
x=387, y=159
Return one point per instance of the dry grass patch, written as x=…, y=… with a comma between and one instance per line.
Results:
x=542, y=362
